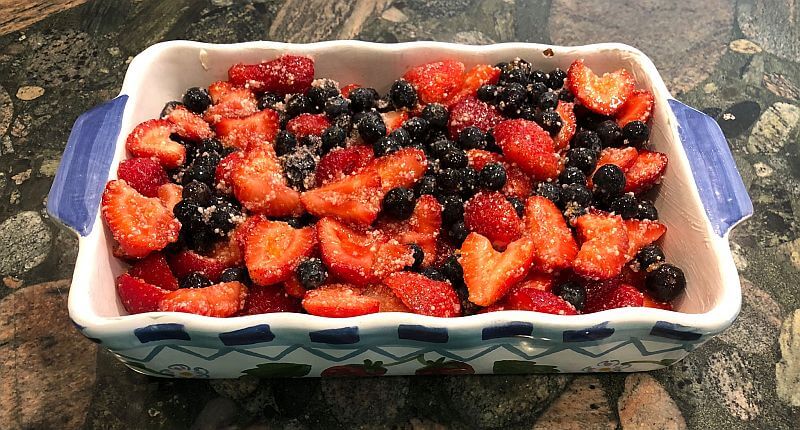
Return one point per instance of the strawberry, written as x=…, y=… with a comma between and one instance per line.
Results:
x=518, y=184
x=472, y=112
x=188, y=125
x=347, y=88
x=394, y=119
x=437, y=81
x=597, y=293
x=228, y=252
x=604, y=245
x=224, y=170
x=622, y=296
x=273, y=249
x=307, y=124
x=602, y=94
x=187, y=261
x=533, y=299
x=140, y=224
x=170, y=194
x=137, y=295
x=258, y=128
x=355, y=198
x=219, y=300
x=402, y=168
x=220, y=90
x=568, y=127
x=650, y=302
x=284, y=75
x=620, y=157
x=389, y=302
x=537, y=281
x=474, y=78
x=492, y=216
x=554, y=246
x=422, y=228
x=260, y=186
x=151, y=139
x=646, y=171
x=294, y=288
x=489, y=273
x=154, y=269
x=341, y=162
x=264, y=299
x=339, y=301
x=145, y=175
x=360, y=257
x=230, y=102
x=525, y=143
x=424, y=295
x=638, y=107
x=641, y=234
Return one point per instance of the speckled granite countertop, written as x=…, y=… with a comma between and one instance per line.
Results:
x=738, y=60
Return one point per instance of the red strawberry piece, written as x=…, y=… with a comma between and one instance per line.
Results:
x=347, y=88
x=489, y=273
x=229, y=252
x=187, y=261
x=223, y=174
x=422, y=228
x=620, y=297
x=258, y=128
x=150, y=139
x=284, y=75
x=554, y=246
x=492, y=216
x=155, y=270
x=189, y=125
x=260, y=186
x=437, y=81
x=620, y=157
x=394, y=119
x=474, y=78
x=342, y=162
x=597, y=293
x=219, y=300
x=568, y=127
x=294, y=288
x=525, y=143
x=369, y=368
x=641, y=234
x=472, y=112
x=389, y=302
x=355, y=198
x=533, y=299
x=638, y=107
x=424, y=295
x=602, y=94
x=518, y=184
x=402, y=168
x=264, y=299
x=537, y=281
x=170, y=194
x=219, y=90
x=645, y=172
x=273, y=249
x=137, y=295
x=145, y=175
x=444, y=249
x=307, y=124
x=140, y=224
x=339, y=301
x=231, y=102
x=650, y=302
x=604, y=246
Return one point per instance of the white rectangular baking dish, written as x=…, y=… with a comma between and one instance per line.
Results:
x=701, y=198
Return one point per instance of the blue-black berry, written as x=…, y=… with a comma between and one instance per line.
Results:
x=493, y=176
x=550, y=191
x=384, y=146
x=452, y=270
x=333, y=137
x=418, y=128
x=488, y=93
x=547, y=100
x=649, y=256
x=336, y=106
x=198, y=192
x=556, y=78
x=457, y=233
x=311, y=273
x=196, y=99
x=419, y=256
x=587, y=139
x=436, y=115
x=636, y=132
x=403, y=94
x=195, y=280
x=431, y=273
x=236, y=274
x=363, y=99
x=449, y=181
x=610, y=133
x=426, y=185
x=452, y=209
x=371, y=127
x=572, y=292
x=320, y=94
x=572, y=175
x=455, y=159
x=665, y=282
x=398, y=203
x=519, y=206
x=285, y=142
x=297, y=105
x=469, y=181
x=646, y=210
x=471, y=138
x=609, y=181
x=584, y=159
x=626, y=206
x=576, y=194
x=511, y=99
x=550, y=121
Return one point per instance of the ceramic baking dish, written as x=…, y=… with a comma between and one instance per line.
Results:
x=701, y=198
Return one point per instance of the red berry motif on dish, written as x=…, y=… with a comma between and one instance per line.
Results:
x=369, y=368
x=442, y=367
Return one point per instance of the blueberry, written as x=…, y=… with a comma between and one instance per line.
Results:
x=297, y=105
x=384, y=104
x=202, y=172
x=609, y=181
x=455, y=159
x=547, y=100
x=469, y=181
x=572, y=292
x=539, y=76
x=196, y=99
x=587, y=139
x=319, y=95
x=268, y=101
x=665, y=282
x=169, y=107
x=297, y=167
x=556, y=78
x=650, y=255
x=223, y=218
x=491, y=144
x=344, y=121
x=457, y=233
x=188, y=213
x=285, y=142
x=199, y=239
x=550, y=191
x=398, y=203
x=514, y=76
x=636, y=132
x=550, y=121
x=449, y=181
x=236, y=274
x=646, y=210
x=572, y=175
x=452, y=270
x=519, y=207
x=336, y=106
x=625, y=206
x=210, y=145
x=371, y=127
x=384, y=146
x=195, y=280
x=403, y=94
x=584, y=159
x=609, y=133
x=529, y=113
x=198, y=192
x=471, y=138
x=439, y=148
x=535, y=90
x=488, y=93
x=401, y=136
x=511, y=100
x=304, y=220
x=419, y=256
x=493, y=176
x=566, y=96
x=333, y=137
x=426, y=185
x=311, y=273
x=576, y=194
x=452, y=209
x=436, y=115
x=363, y=99
x=418, y=128
x=431, y=273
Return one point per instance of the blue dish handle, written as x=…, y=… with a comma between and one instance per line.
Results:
x=718, y=181
x=74, y=197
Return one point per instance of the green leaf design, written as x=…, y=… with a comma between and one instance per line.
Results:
x=279, y=370
x=511, y=367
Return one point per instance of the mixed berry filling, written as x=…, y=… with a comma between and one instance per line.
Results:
x=459, y=191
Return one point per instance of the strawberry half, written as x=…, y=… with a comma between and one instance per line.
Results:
x=342, y=162
x=424, y=295
x=488, y=273
x=437, y=81
x=294, y=288
x=137, y=295
x=188, y=125
x=347, y=88
x=339, y=301
x=646, y=171
x=155, y=270
x=474, y=78
x=273, y=249
x=472, y=112
x=187, y=261
x=602, y=94
x=422, y=228
x=525, y=143
x=145, y=175
x=258, y=128
x=568, y=127
x=641, y=234
x=620, y=157
x=355, y=198
x=394, y=119
x=537, y=281
x=533, y=299
x=402, y=168
x=150, y=139
x=554, y=245
x=260, y=186
x=638, y=107
x=620, y=297
x=307, y=124
x=492, y=216
x=518, y=184
x=284, y=75
x=604, y=246
x=230, y=102
x=219, y=300
x=170, y=194
x=389, y=302
x=140, y=224
x=264, y=299
x=223, y=174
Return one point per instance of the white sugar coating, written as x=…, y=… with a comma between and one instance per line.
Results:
x=321, y=82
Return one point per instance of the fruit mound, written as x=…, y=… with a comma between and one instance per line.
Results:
x=460, y=191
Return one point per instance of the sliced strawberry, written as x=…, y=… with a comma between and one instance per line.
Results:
x=264, y=299
x=598, y=292
x=347, y=88
x=389, y=302
x=140, y=224
x=150, y=139
x=641, y=234
x=604, y=246
x=402, y=168
x=492, y=216
x=219, y=300
x=284, y=75
x=638, y=107
x=537, y=281
x=489, y=273
x=170, y=194
x=645, y=172
x=273, y=249
x=620, y=297
x=533, y=299
x=620, y=157
x=188, y=125
x=258, y=183
x=554, y=245
x=294, y=288
x=220, y=90
x=137, y=295
x=568, y=127
x=422, y=228
x=258, y=128
x=394, y=119
x=650, y=302
x=223, y=174
x=231, y=102
x=307, y=124
x=602, y=94
x=228, y=252
x=437, y=81
x=424, y=295
x=474, y=78
x=187, y=261
x=341, y=162
x=472, y=112
x=339, y=301
x=525, y=143
x=355, y=198
x=518, y=184
x=155, y=270
x=145, y=175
